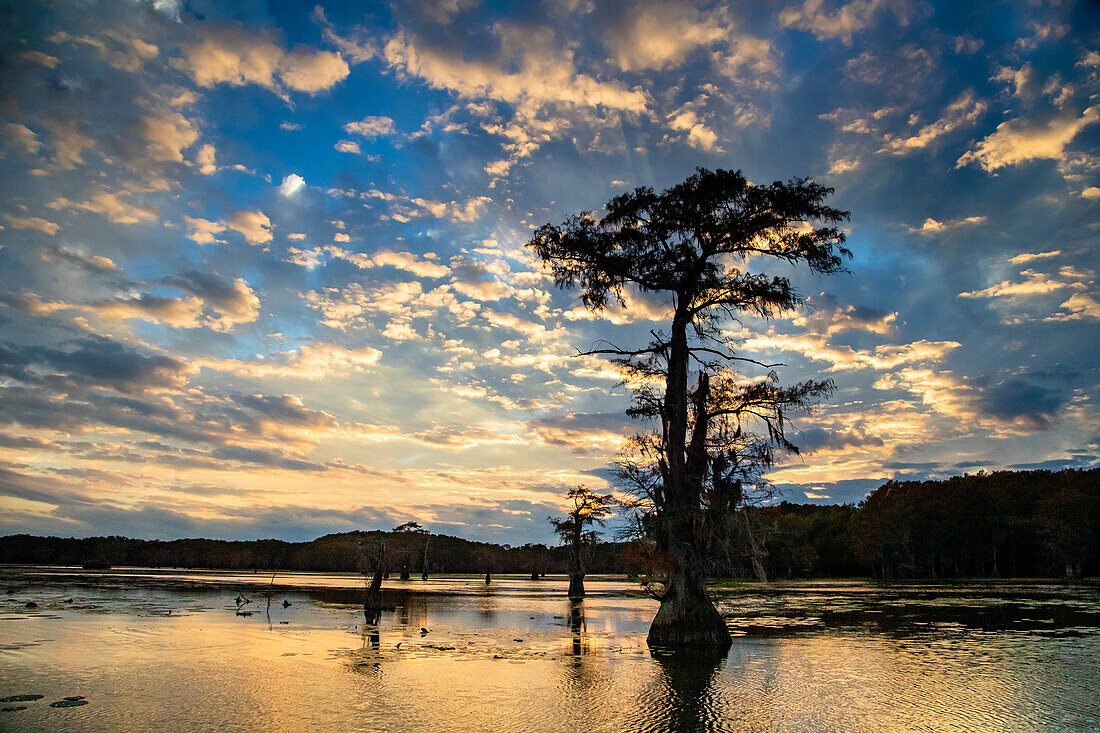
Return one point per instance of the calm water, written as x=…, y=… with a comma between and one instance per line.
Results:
x=166, y=651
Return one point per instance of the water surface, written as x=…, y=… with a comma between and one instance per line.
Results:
x=183, y=650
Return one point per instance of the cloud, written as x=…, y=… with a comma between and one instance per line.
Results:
x=964, y=111
x=656, y=35
x=827, y=317
x=40, y=58
x=313, y=361
x=888, y=356
x=817, y=439
x=91, y=263
x=932, y=227
x=528, y=68
x=849, y=18
x=254, y=226
x=584, y=432
x=1024, y=82
x=1079, y=307
x=370, y=126
x=312, y=71
x=1019, y=141
x=94, y=361
x=1036, y=283
x=69, y=140
x=440, y=11
x=111, y=205
x=474, y=280
x=235, y=57
x=292, y=184
x=120, y=47
x=1025, y=257
x=229, y=302
x=33, y=223
x=23, y=136
x=347, y=146
x=1023, y=402
x=203, y=230
x=168, y=134
x=204, y=159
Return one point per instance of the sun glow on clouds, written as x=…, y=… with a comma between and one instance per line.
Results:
x=267, y=280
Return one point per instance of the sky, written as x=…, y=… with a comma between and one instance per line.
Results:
x=263, y=265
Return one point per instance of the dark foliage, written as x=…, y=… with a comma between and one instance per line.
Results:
x=1022, y=524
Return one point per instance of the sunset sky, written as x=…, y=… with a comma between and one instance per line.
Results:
x=263, y=271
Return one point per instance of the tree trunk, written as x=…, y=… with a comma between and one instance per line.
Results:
x=424, y=566
x=576, y=585
x=372, y=604
x=576, y=572
x=687, y=618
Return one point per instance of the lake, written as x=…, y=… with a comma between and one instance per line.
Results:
x=174, y=650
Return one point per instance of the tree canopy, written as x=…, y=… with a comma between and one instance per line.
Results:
x=697, y=243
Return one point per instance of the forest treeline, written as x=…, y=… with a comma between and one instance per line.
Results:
x=1002, y=524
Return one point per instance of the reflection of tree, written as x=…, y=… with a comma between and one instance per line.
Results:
x=578, y=627
x=689, y=682
x=412, y=609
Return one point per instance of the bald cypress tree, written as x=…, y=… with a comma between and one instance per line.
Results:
x=711, y=428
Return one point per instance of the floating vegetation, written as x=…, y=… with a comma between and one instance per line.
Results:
x=69, y=702
x=20, y=698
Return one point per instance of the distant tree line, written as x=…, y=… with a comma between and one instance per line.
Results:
x=1003, y=524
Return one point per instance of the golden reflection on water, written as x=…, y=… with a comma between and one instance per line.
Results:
x=514, y=659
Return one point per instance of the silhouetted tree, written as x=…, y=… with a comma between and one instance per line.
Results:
x=587, y=508
x=692, y=243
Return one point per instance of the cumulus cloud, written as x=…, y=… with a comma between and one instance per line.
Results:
x=236, y=57
x=347, y=146
x=1018, y=141
x=529, y=68
x=827, y=317
x=1023, y=402
x=1079, y=307
x=94, y=361
x=847, y=19
x=204, y=159
x=23, y=137
x=168, y=134
x=114, y=206
x=254, y=226
x=292, y=184
x=203, y=231
x=931, y=226
x=370, y=126
x=655, y=35
x=33, y=223
x=228, y=302
x=310, y=71
x=1035, y=283
x=963, y=111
